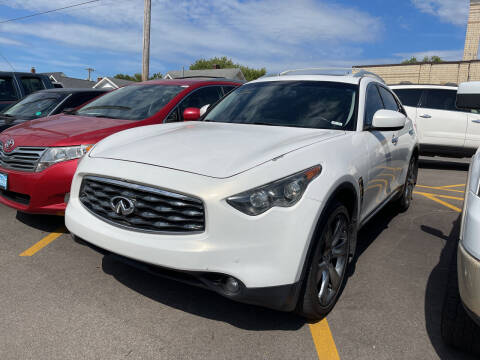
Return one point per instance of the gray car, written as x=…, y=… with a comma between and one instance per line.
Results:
x=45, y=103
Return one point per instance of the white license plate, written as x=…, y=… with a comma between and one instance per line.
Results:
x=3, y=181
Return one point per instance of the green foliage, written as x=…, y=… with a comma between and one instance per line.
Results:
x=432, y=59
x=138, y=77
x=226, y=63
x=412, y=60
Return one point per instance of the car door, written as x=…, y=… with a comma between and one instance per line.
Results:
x=378, y=185
x=440, y=125
x=472, y=135
x=400, y=142
x=207, y=95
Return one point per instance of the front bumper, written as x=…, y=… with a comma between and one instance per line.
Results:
x=265, y=251
x=39, y=193
x=469, y=282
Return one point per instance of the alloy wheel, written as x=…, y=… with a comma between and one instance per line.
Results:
x=333, y=262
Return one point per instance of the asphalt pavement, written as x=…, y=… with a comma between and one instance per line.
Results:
x=63, y=300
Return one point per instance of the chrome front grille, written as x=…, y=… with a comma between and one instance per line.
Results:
x=23, y=158
x=155, y=210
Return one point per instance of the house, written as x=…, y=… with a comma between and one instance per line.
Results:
x=69, y=82
x=232, y=74
x=111, y=83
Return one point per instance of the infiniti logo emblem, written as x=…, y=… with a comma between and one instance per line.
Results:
x=122, y=205
x=9, y=144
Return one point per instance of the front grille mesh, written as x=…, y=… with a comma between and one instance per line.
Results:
x=156, y=210
x=22, y=158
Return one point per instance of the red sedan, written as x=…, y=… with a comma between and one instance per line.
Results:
x=38, y=158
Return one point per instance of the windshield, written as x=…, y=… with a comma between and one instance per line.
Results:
x=132, y=102
x=309, y=104
x=35, y=105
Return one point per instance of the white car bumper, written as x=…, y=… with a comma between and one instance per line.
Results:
x=263, y=251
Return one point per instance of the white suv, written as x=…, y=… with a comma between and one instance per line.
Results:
x=442, y=128
x=262, y=200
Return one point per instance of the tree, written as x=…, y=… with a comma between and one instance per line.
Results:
x=138, y=77
x=432, y=59
x=226, y=63
x=412, y=60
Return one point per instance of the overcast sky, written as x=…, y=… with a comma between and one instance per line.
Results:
x=276, y=34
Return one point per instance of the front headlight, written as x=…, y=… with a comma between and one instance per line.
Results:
x=283, y=193
x=55, y=155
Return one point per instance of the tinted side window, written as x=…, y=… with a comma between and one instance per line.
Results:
x=173, y=116
x=31, y=84
x=79, y=99
x=227, y=89
x=207, y=95
x=388, y=99
x=440, y=100
x=7, y=90
x=373, y=104
x=409, y=97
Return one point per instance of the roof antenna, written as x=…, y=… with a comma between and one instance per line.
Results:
x=13, y=69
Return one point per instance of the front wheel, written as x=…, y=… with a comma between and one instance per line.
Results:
x=326, y=273
x=405, y=199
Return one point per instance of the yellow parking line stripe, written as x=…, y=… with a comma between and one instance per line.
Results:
x=323, y=340
x=441, y=196
x=438, y=188
x=44, y=242
x=444, y=203
x=452, y=186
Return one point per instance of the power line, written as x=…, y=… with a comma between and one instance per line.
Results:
x=49, y=11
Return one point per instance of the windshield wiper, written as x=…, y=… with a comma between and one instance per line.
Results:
x=7, y=116
x=113, y=107
x=263, y=123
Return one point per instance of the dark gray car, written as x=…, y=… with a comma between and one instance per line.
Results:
x=46, y=103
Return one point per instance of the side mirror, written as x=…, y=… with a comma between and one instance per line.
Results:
x=191, y=114
x=204, y=109
x=388, y=120
x=468, y=95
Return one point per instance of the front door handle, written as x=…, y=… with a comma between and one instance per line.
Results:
x=394, y=140
x=476, y=121
x=426, y=116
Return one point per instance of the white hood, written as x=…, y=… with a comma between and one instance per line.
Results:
x=217, y=150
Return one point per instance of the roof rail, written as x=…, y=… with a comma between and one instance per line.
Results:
x=345, y=71
x=331, y=71
x=365, y=73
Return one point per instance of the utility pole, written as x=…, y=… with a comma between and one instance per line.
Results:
x=146, y=39
x=90, y=70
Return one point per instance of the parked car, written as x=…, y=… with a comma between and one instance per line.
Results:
x=46, y=103
x=15, y=86
x=38, y=158
x=461, y=311
x=443, y=129
x=262, y=200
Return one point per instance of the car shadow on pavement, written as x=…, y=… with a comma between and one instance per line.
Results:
x=436, y=290
x=47, y=223
x=371, y=231
x=440, y=164
x=198, y=301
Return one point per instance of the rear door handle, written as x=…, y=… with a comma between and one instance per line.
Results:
x=426, y=116
x=476, y=121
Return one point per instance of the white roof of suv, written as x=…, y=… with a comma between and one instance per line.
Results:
x=413, y=86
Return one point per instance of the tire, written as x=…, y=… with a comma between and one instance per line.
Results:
x=326, y=272
x=458, y=329
x=404, y=201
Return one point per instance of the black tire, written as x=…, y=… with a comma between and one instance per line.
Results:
x=458, y=329
x=330, y=256
x=404, y=201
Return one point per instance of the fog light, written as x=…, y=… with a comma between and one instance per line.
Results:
x=67, y=198
x=232, y=285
